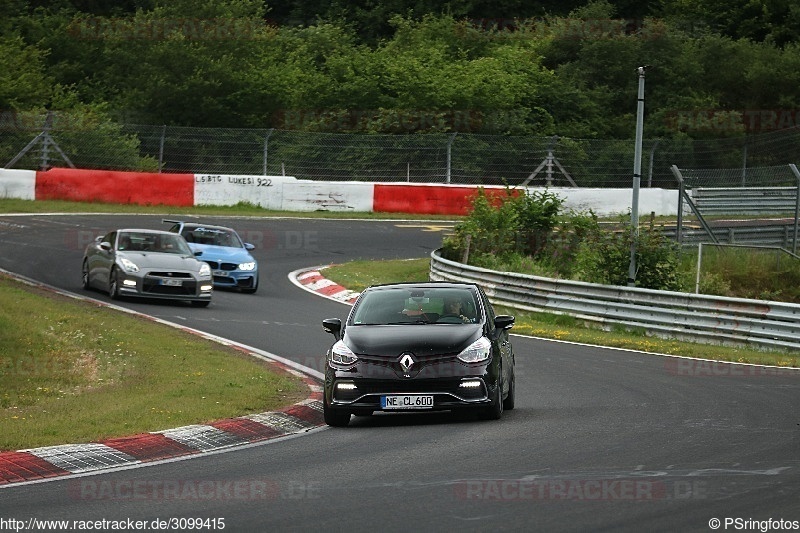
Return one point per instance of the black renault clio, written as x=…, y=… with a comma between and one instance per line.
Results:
x=419, y=347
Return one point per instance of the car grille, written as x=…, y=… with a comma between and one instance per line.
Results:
x=438, y=386
x=216, y=265
x=152, y=283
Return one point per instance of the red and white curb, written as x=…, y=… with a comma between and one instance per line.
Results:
x=45, y=463
x=38, y=464
x=312, y=280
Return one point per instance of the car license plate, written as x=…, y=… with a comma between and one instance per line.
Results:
x=170, y=282
x=222, y=273
x=406, y=401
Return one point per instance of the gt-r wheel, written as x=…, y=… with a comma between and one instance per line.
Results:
x=85, y=275
x=113, y=284
x=508, y=403
x=333, y=417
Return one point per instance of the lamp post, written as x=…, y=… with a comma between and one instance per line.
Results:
x=637, y=177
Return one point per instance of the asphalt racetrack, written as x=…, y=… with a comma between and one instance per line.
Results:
x=601, y=439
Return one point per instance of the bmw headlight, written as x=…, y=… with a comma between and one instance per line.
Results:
x=205, y=270
x=342, y=355
x=478, y=351
x=128, y=265
x=247, y=266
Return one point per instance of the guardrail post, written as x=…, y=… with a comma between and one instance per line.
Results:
x=449, y=155
x=266, y=148
x=161, y=148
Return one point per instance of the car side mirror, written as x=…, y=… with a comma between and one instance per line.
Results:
x=105, y=245
x=198, y=253
x=248, y=246
x=504, y=321
x=333, y=326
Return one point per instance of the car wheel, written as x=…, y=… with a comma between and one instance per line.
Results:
x=333, y=417
x=508, y=403
x=251, y=290
x=495, y=410
x=85, y=275
x=113, y=285
x=200, y=303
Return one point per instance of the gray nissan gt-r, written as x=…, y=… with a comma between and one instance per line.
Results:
x=147, y=263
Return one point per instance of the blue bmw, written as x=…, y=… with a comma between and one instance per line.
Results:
x=232, y=265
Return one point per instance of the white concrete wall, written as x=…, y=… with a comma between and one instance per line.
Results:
x=20, y=184
x=609, y=202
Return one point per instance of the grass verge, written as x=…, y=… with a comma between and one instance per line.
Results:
x=73, y=371
x=242, y=209
x=358, y=275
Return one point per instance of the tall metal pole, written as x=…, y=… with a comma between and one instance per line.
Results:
x=637, y=177
x=449, y=154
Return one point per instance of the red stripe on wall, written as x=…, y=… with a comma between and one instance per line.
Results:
x=428, y=199
x=109, y=186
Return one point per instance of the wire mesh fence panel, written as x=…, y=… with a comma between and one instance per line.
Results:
x=463, y=158
x=343, y=157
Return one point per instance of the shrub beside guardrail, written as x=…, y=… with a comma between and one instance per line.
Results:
x=683, y=316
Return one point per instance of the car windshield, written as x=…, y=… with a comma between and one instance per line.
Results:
x=416, y=305
x=212, y=236
x=133, y=241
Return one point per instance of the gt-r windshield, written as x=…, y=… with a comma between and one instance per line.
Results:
x=132, y=241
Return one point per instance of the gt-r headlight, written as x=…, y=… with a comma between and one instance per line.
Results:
x=128, y=265
x=205, y=270
x=478, y=351
x=342, y=355
x=247, y=266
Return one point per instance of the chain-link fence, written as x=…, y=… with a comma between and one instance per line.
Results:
x=421, y=158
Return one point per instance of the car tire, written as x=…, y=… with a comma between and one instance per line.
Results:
x=495, y=410
x=200, y=303
x=113, y=284
x=508, y=403
x=85, y=275
x=335, y=418
x=253, y=289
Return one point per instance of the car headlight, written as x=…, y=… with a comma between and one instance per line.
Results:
x=342, y=355
x=247, y=266
x=205, y=270
x=128, y=265
x=478, y=351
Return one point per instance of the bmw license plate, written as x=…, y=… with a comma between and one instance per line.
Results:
x=171, y=282
x=223, y=273
x=406, y=401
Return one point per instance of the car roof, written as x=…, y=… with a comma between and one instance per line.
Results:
x=144, y=230
x=424, y=284
x=194, y=225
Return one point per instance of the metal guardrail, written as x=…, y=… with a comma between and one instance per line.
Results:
x=746, y=200
x=781, y=235
x=683, y=316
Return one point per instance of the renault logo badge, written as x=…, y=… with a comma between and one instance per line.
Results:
x=406, y=362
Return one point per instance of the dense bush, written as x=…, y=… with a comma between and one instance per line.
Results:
x=604, y=257
x=528, y=233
